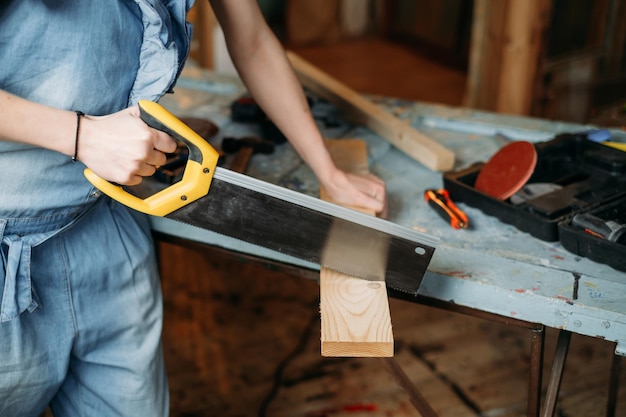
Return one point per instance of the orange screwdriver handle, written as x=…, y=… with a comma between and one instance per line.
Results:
x=440, y=201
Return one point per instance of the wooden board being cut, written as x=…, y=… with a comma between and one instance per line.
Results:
x=355, y=318
x=358, y=109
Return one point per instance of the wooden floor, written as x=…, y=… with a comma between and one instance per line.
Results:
x=242, y=339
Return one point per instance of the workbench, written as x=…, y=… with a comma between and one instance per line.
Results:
x=491, y=267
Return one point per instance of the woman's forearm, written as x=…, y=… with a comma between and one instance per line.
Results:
x=119, y=147
x=263, y=66
x=27, y=122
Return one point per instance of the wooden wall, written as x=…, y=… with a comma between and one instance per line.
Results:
x=507, y=48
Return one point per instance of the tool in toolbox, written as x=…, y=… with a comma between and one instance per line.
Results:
x=609, y=230
x=603, y=136
x=443, y=205
x=507, y=170
x=617, y=145
x=533, y=190
x=277, y=218
x=574, y=178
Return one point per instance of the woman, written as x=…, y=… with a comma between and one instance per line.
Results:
x=80, y=302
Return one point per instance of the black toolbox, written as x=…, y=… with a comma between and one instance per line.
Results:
x=573, y=176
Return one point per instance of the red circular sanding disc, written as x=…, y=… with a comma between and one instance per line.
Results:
x=508, y=170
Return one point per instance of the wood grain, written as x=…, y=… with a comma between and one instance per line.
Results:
x=355, y=318
x=506, y=53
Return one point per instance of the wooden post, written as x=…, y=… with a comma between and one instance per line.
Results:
x=205, y=22
x=506, y=52
x=355, y=318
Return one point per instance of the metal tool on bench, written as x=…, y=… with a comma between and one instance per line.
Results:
x=277, y=218
x=533, y=190
x=507, y=170
x=243, y=149
x=605, y=229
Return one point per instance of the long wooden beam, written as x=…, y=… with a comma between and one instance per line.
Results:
x=360, y=110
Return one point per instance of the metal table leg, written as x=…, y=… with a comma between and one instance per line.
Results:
x=558, y=365
x=537, y=343
x=415, y=396
x=616, y=368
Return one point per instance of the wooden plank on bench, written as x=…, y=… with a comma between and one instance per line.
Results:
x=355, y=317
x=360, y=110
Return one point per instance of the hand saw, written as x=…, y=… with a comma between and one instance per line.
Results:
x=286, y=221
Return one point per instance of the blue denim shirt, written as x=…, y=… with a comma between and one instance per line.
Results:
x=97, y=56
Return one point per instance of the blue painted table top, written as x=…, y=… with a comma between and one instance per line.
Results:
x=491, y=267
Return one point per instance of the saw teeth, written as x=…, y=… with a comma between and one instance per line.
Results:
x=339, y=270
x=345, y=273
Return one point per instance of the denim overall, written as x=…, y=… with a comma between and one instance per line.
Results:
x=80, y=300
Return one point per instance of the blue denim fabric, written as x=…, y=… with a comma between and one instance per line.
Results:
x=80, y=304
x=91, y=344
x=90, y=55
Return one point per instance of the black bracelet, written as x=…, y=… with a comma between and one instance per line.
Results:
x=79, y=114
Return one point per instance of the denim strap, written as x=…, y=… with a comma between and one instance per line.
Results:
x=16, y=287
x=17, y=294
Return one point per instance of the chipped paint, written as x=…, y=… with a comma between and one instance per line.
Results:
x=456, y=274
x=566, y=299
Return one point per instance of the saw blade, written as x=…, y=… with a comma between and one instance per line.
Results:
x=311, y=229
x=277, y=218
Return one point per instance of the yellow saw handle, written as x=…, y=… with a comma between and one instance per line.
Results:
x=196, y=178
